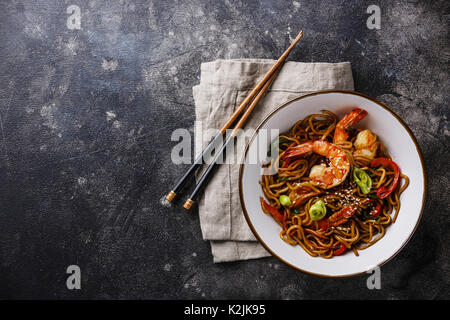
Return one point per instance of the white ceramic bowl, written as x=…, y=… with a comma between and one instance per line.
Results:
x=401, y=145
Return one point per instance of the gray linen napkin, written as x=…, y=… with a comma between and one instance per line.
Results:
x=224, y=84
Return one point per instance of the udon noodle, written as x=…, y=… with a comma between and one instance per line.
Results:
x=335, y=189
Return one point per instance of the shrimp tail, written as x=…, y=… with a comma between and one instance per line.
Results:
x=350, y=119
x=300, y=150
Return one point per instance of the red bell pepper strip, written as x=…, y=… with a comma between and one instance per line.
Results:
x=382, y=191
x=340, y=250
x=273, y=211
x=324, y=225
x=376, y=207
x=375, y=212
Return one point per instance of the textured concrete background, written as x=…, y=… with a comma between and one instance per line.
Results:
x=86, y=118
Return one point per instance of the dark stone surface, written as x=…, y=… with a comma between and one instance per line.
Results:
x=86, y=118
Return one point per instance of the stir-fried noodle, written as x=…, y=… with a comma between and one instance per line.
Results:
x=336, y=188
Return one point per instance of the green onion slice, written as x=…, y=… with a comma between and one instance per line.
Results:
x=318, y=210
x=362, y=179
x=285, y=201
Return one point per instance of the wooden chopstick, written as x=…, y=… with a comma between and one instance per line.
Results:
x=203, y=179
x=198, y=161
x=261, y=83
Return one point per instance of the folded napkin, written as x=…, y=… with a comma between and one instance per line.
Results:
x=224, y=84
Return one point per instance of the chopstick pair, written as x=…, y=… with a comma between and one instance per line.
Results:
x=254, y=96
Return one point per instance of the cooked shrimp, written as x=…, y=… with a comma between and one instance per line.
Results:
x=321, y=175
x=366, y=144
x=301, y=194
x=350, y=119
x=342, y=216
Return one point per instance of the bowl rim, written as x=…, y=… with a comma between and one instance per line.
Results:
x=300, y=97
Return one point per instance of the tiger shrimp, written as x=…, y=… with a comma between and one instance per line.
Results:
x=353, y=117
x=365, y=142
x=325, y=177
